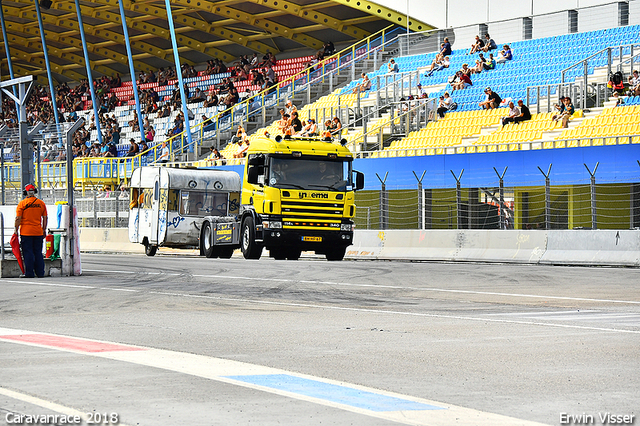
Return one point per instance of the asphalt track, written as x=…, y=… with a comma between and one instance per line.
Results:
x=184, y=340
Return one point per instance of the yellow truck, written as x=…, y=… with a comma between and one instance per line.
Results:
x=298, y=194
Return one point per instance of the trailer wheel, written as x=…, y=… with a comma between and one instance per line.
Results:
x=336, y=254
x=206, y=240
x=250, y=249
x=150, y=250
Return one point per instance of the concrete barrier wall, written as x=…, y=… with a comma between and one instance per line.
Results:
x=570, y=247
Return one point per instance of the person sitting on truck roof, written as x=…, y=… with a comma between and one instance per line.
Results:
x=310, y=129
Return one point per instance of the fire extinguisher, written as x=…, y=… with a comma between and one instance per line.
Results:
x=48, y=245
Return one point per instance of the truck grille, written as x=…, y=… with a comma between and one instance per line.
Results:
x=312, y=215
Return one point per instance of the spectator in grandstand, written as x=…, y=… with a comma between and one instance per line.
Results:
x=310, y=129
x=490, y=63
x=150, y=134
x=477, y=45
x=336, y=127
x=446, y=104
x=283, y=122
x=296, y=124
x=525, y=114
x=212, y=99
x=479, y=66
x=465, y=69
x=270, y=75
x=239, y=136
x=112, y=150
x=207, y=124
x=421, y=91
x=256, y=77
x=392, y=67
x=133, y=148
x=215, y=155
x=634, y=84
x=326, y=134
x=463, y=82
x=438, y=64
x=328, y=49
x=289, y=107
x=142, y=146
x=364, y=85
x=232, y=98
x=243, y=146
x=166, y=111
x=513, y=113
x=492, y=100
x=489, y=44
x=197, y=96
x=559, y=107
x=164, y=153
x=504, y=55
x=254, y=60
x=568, y=112
x=445, y=48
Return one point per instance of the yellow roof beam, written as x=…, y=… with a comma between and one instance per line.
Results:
x=386, y=13
x=57, y=68
x=259, y=21
x=314, y=16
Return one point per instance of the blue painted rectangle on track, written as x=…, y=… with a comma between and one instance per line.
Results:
x=334, y=393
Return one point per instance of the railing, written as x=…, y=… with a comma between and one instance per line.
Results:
x=545, y=91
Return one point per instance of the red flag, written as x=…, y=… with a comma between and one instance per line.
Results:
x=15, y=248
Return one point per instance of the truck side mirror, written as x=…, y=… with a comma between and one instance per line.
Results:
x=359, y=180
x=252, y=174
x=256, y=160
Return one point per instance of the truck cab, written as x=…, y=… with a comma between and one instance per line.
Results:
x=298, y=194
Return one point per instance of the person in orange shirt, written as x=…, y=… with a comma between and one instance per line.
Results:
x=31, y=223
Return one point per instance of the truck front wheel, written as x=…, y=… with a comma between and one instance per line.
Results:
x=250, y=249
x=336, y=254
x=150, y=250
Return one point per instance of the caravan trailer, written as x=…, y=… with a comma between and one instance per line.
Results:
x=168, y=207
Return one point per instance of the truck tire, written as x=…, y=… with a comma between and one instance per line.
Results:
x=206, y=241
x=293, y=254
x=336, y=254
x=225, y=252
x=250, y=249
x=150, y=250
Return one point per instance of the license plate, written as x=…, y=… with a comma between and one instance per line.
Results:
x=312, y=239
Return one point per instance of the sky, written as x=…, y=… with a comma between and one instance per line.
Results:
x=466, y=12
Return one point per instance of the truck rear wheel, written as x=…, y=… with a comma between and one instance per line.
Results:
x=250, y=249
x=150, y=250
x=336, y=254
x=206, y=240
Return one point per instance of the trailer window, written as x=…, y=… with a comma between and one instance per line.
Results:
x=195, y=203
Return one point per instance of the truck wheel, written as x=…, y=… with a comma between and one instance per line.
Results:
x=150, y=250
x=250, y=249
x=225, y=252
x=336, y=254
x=206, y=240
x=278, y=253
x=294, y=254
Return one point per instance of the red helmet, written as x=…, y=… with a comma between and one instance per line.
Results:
x=29, y=187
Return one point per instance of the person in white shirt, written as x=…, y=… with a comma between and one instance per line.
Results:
x=514, y=112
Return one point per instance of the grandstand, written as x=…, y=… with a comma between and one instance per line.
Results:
x=388, y=133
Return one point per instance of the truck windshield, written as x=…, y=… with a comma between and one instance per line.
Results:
x=309, y=174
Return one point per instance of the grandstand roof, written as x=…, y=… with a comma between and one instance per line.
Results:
x=204, y=30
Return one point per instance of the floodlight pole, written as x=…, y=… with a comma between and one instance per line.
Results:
x=132, y=70
x=176, y=57
x=88, y=66
x=46, y=62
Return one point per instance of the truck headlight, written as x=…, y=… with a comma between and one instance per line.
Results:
x=272, y=224
x=346, y=227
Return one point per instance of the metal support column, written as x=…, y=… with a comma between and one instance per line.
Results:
x=176, y=56
x=594, y=212
x=52, y=93
x=383, y=201
x=70, y=199
x=458, y=199
x=503, y=219
x=6, y=42
x=547, y=197
x=89, y=76
x=132, y=70
x=3, y=129
x=421, y=215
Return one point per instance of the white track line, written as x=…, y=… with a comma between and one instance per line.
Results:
x=339, y=308
x=394, y=287
x=49, y=405
x=220, y=370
